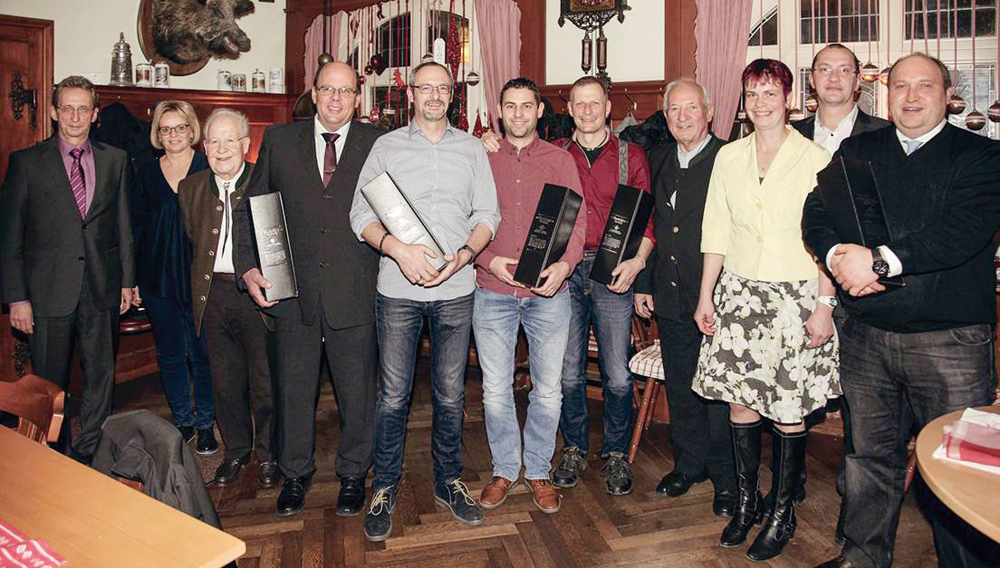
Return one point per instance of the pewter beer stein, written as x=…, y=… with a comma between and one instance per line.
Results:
x=121, y=63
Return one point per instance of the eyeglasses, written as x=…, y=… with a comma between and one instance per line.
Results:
x=216, y=143
x=67, y=109
x=827, y=70
x=427, y=89
x=327, y=90
x=179, y=129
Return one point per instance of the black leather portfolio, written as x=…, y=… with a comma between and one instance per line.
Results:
x=399, y=217
x=627, y=220
x=850, y=196
x=551, y=229
x=274, y=253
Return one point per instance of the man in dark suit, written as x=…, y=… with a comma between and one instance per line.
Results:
x=66, y=255
x=910, y=354
x=315, y=167
x=836, y=79
x=699, y=429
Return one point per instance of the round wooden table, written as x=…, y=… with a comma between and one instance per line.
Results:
x=971, y=493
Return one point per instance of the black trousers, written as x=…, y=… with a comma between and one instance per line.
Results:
x=699, y=428
x=94, y=330
x=916, y=376
x=351, y=354
x=242, y=386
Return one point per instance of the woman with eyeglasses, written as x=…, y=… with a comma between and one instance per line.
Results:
x=164, y=267
x=765, y=306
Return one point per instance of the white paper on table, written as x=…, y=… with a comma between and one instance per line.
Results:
x=981, y=418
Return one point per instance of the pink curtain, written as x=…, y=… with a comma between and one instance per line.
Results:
x=314, y=43
x=721, y=32
x=500, y=45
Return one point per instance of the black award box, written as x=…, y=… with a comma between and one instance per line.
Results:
x=551, y=229
x=399, y=217
x=274, y=252
x=850, y=196
x=627, y=221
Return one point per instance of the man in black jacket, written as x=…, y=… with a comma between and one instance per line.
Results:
x=836, y=79
x=315, y=167
x=66, y=255
x=680, y=172
x=916, y=352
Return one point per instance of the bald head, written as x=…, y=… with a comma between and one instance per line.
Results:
x=335, y=94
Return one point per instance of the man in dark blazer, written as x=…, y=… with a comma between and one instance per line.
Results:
x=66, y=255
x=836, y=79
x=229, y=320
x=909, y=354
x=699, y=429
x=315, y=167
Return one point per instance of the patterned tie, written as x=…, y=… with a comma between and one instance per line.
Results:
x=330, y=159
x=912, y=145
x=76, y=181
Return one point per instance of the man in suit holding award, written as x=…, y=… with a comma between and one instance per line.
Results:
x=445, y=175
x=699, y=428
x=521, y=168
x=66, y=255
x=315, y=166
x=911, y=353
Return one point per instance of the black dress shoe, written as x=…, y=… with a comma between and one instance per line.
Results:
x=351, y=498
x=293, y=496
x=206, y=443
x=267, y=474
x=838, y=562
x=677, y=483
x=724, y=502
x=229, y=470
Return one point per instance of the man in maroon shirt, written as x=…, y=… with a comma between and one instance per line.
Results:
x=599, y=157
x=521, y=168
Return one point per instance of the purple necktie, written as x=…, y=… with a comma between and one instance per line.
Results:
x=76, y=181
x=330, y=158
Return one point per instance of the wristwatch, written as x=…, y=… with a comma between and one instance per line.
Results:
x=830, y=301
x=472, y=253
x=879, y=265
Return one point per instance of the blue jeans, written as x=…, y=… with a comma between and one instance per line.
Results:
x=495, y=319
x=399, y=323
x=896, y=383
x=611, y=315
x=176, y=345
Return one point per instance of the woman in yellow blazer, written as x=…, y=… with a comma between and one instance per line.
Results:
x=765, y=306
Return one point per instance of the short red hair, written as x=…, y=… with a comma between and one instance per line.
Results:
x=767, y=71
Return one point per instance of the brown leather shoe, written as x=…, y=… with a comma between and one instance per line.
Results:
x=838, y=562
x=545, y=496
x=495, y=492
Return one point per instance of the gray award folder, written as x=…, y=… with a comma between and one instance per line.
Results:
x=849, y=192
x=274, y=252
x=399, y=217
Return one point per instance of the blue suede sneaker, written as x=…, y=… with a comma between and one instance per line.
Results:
x=455, y=497
x=378, y=520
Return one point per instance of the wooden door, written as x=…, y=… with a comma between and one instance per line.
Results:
x=26, y=52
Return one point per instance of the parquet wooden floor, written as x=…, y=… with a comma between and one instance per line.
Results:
x=592, y=530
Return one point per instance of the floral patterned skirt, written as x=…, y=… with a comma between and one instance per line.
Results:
x=758, y=356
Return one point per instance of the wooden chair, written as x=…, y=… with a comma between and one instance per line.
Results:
x=38, y=404
x=648, y=364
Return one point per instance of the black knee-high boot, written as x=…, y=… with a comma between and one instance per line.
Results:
x=780, y=525
x=750, y=509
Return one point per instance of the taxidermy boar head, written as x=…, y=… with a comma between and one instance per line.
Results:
x=185, y=31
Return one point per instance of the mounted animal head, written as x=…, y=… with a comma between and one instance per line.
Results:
x=186, y=31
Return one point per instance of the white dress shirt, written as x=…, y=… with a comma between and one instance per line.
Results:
x=831, y=139
x=338, y=144
x=224, y=248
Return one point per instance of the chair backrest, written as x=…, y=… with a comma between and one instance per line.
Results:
x=38, y=404
x=644, y=332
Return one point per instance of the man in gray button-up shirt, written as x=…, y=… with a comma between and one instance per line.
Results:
x=446, y=176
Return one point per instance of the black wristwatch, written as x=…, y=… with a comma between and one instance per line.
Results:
x=879, y=265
